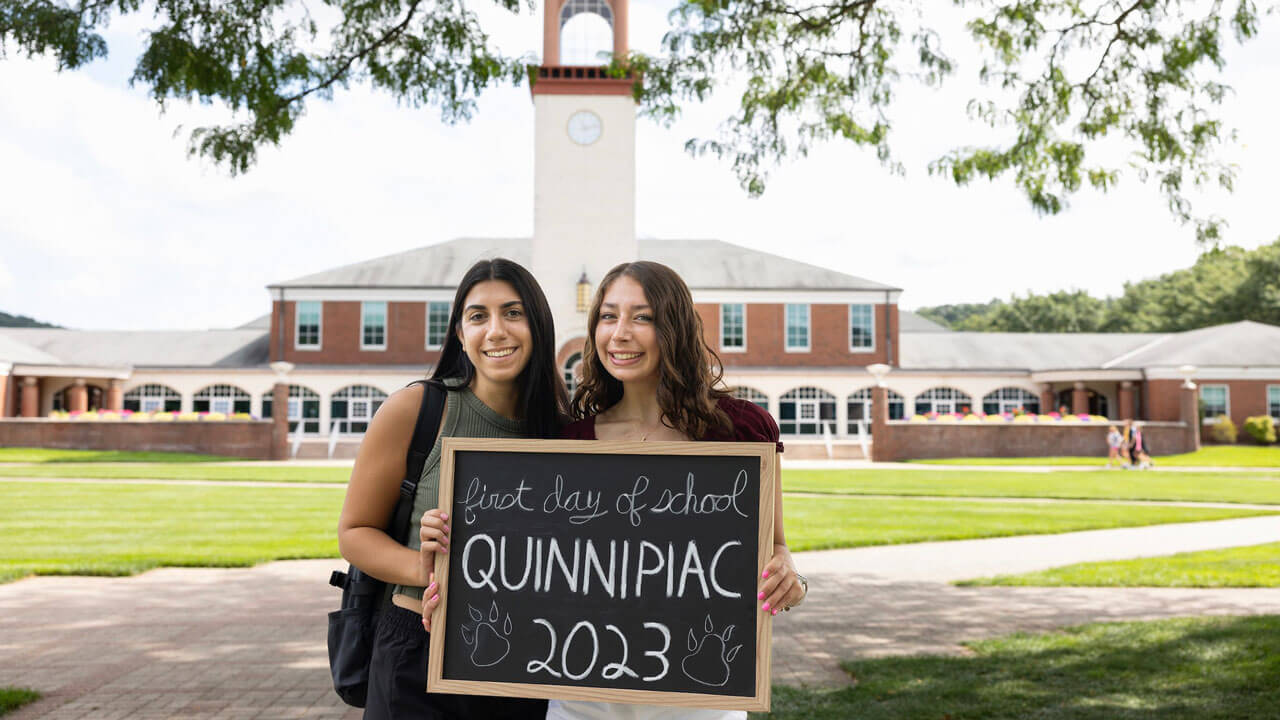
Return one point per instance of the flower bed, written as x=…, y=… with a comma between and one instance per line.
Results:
x=1050, y=418
x=156, y=416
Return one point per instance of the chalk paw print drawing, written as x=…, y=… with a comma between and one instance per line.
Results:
x=489, y=645
x=709, y=656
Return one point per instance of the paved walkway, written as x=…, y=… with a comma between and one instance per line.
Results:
x=249, y=643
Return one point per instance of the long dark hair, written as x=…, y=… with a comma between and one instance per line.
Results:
x=689, y=371
x=543, y=403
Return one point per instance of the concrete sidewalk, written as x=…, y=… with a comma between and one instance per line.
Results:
x=250, y=643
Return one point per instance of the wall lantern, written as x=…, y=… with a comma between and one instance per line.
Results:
x=584, y=292
x=878, y=371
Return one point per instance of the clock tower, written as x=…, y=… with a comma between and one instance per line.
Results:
x=584, y=161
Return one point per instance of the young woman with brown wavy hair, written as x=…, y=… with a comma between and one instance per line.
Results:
x=649, y=374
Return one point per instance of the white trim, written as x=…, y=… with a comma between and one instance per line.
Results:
x=776, y=297
x=849, y=333
x=355, y=294
x=808, y=329
x=1086, y=375
x=742, y=349
x=72, y=371
x=1271, y=372
x=386, y=326
x=1226, y=390
x=5, y=367
x=426, y=329
x=297, y=324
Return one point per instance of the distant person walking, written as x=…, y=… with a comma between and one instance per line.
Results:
x=1138, y=448
x=1115, y=444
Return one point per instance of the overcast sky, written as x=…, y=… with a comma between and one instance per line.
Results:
x=105, y=223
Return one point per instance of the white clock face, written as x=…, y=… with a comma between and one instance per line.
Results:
x=585, y=127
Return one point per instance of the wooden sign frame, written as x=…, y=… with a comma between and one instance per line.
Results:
x=759, y=702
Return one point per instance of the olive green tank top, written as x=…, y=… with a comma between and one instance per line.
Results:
x=465, y=416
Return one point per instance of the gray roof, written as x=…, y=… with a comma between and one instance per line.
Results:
x=914, y=323
x=262, y=322
x=1239, y=344
x=14, y=350
x=1015, y=351
x=141, y=348
x=704, y=264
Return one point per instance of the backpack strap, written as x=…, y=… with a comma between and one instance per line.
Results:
x=425, y=431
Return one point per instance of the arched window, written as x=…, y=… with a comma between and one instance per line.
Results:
x=352, y=407
x=1010, y=400
x=804, y=410
x=226, y=399
x=752, y=395
x=944, y=401
x=1096, y=400
x=573, y=372
x=152, y=397
x=304, y=409
x=586, y=31
x=859, y=407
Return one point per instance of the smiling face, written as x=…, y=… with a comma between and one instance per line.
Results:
x=494, y=329
x=626, y=338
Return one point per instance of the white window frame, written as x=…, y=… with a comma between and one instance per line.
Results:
x=1226, y=396
x=786, y=328
x=386, y=323
x=1273, y=389
x=297, y=325
x=445, y=335
x=723, y=347
x=872, y=315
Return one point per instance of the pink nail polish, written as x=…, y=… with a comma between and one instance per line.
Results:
x=765, y=574
x=775, y=612
x=766, y=606
x=446, y=528
x=431, y=586
x=434, y=598
x=760, y=595
x=444, y=516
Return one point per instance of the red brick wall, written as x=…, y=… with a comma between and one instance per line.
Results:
x=340, y=336
x=828, y=336
x=909, y=441
x=1246, y=398
x=1162, y=400
x=234, y=438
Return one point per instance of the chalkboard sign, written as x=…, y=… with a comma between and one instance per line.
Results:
x=609, y=571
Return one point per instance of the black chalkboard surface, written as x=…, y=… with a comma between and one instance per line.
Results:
x=613, y=571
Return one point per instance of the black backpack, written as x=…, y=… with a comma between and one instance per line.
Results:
x=351, y=627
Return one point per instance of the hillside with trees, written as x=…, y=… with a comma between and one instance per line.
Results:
x=22, y=321
x=1225, y=285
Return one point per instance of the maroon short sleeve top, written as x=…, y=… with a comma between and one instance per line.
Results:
x=751, y=423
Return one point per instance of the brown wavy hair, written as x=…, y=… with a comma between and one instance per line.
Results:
x=690, y=375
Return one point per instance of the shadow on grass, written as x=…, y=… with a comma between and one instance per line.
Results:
x=1201, y=668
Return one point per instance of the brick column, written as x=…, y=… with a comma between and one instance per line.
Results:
x=1047, y=399
x=30, y=397
x=5, y=377
x=1126, y=401
x=78, y=396
x=1189, y=414
x=280, y=411
x=115, y=395
x=1079, y=399
x=881, y=437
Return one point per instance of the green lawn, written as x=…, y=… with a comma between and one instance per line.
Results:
x=181, y=471
x=113, y=529
x=850, y=521
x=12, y=698
x=1207, y=456
x=106, y=529
x=1263, y=488
x=48, y=455
x=1185, y=669
x=1252, y=566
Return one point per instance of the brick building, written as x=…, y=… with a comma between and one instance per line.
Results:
x=794, y=337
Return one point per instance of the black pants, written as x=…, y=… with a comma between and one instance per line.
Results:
x=398, y=680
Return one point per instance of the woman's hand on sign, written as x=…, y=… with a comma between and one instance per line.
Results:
x=779, y=588
x=434, y=536
x=430, y=599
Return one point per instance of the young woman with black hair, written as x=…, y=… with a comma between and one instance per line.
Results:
x=649, y=374
x=498, y=366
